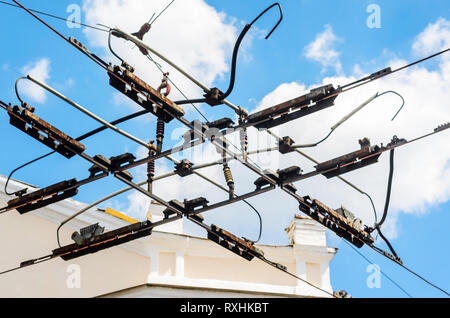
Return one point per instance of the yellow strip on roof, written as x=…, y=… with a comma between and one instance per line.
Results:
x=120, y=216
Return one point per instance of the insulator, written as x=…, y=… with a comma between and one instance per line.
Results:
x=244, y=142
x=228, y=175
x=160, y=127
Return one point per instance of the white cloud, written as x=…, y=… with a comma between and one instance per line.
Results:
x=191, y=33
x=41, y=71
x=322, y=50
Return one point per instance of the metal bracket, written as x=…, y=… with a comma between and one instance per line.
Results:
x=149, y=98
x=214, y=97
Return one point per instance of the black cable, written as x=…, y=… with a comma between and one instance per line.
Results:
x=387, y=243
x=383, y=273
x=191, y=101
x=346, y=90
x=299, y=278
x=234, y=62
x=23, y=166
x=315, y=144
x=236, y=51
x=55, y=17
x=110, y=47
x=17, y=89
x=369, y=78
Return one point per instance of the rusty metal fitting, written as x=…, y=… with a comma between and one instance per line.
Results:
x=229, y=179
x=165, y=85
x=244, y=142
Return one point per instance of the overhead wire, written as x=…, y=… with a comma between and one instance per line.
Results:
x=381, y=271
x=386, y=204
x=265, y=260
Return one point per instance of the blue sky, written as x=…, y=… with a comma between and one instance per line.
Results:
x=420, y=236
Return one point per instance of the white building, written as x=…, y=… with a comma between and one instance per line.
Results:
x=165, y=264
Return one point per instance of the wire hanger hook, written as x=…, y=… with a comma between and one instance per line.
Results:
x=262, y=13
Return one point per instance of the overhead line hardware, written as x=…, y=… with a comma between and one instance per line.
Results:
x=103, y=241
x=49, y=195
x=85, y=136
x=366, y=156
x=239, y=110
x=149, y=98
x=245, y=249
x=316, y=100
